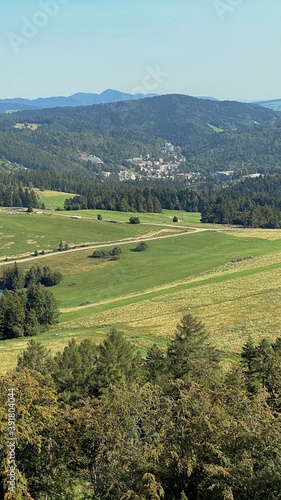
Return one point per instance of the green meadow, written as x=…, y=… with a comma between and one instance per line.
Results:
x=228, y=278
x=165, y=263
x=22, y=234
x=55, y=199
x=166, y=217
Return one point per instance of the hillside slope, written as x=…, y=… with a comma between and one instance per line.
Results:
x=78, y=99
x=116, y=131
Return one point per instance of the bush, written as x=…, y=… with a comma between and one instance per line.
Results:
x=100, y=254
x=50, y=278
x=141, y=247
x=63, y=246
x=103, y=254
x=99, y=217
x=116, y=251
x=175, y=219
x=134, y=220
x=97, y=254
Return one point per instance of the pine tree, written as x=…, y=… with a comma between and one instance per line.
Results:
x=155, y=365
x=13, y=278
x=190, y=354
x=249, y=353
x=44, y=304
x=35, y=357
x=117, y=361
x=73, y=371
x=12, y=315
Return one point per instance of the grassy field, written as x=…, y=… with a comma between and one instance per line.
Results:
x=166, y=217
x=53, y=199
x=22, y=234
x=230, y=279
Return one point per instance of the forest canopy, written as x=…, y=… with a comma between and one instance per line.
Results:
x=105, y=423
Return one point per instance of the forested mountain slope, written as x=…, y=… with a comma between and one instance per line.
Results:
x=212, y=134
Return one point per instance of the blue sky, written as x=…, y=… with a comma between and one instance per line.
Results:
x=230, y=49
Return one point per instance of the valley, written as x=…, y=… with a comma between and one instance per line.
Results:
x=140, y=250
x=228, y=277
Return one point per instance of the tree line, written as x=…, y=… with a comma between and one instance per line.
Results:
x=136, y=197
x=16, y=196
x=15, y=278
x=251, y=202
x=26, y=313
x=26, y=306
x=101, y=422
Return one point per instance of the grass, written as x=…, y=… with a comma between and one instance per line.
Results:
x=146, y=293
x=165, y=262
x=23, y=233
x=216, y=129
x=53, y=199
x=232, y=306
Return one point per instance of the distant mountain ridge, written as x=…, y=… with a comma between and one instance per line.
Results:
x=274, y=104
x=213, y=135
x=106, y=97
x=78, y=99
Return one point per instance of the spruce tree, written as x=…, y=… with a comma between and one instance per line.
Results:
x=190, y=354
x=35, y=357
x=117, y=361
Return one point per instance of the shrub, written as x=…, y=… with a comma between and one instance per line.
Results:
x=103, y=254
x=97, y=254
x=134, y=220
x=141, y=247
x=100, y=254
x=116, y=251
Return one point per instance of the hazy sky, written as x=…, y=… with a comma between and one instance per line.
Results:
x=230, y=49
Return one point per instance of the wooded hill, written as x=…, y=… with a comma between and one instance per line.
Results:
x=214, y=135
x=252, y=202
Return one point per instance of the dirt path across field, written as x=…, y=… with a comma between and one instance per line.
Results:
x=94, y=246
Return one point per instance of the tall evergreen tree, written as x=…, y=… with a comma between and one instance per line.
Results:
x=190, y=355
x=44, y=304
x=35, y=357
x=13, y=278
x=155, y=365
x=117, y=362
x=73, y=371
x=12, y=315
